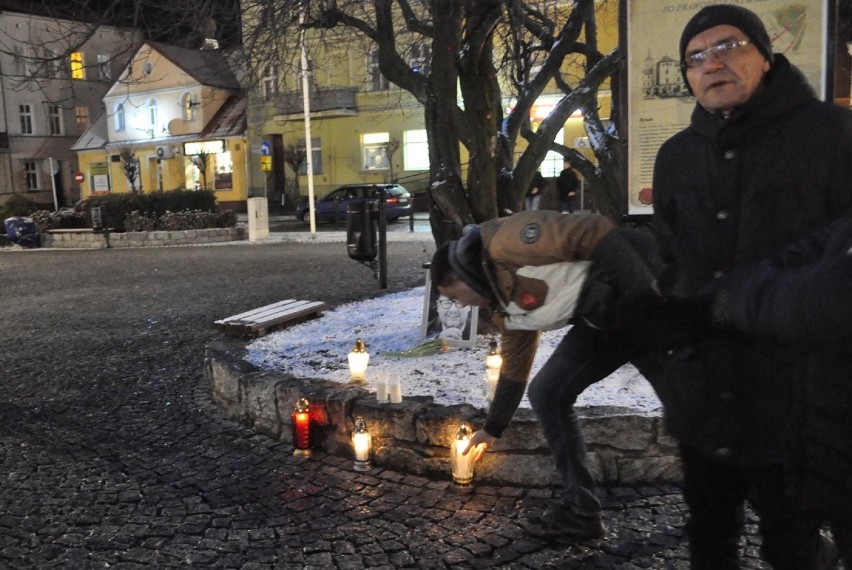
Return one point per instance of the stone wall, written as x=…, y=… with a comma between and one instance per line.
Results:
x=414, y=436
x=89, y=239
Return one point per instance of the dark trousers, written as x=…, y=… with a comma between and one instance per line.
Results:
x=716, y=493
x=584, y=356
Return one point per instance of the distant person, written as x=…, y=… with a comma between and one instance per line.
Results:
x=566, y=186
x=532, y=200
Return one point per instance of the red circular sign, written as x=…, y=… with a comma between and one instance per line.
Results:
x=79, y=178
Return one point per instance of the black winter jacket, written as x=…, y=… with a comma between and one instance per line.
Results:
x=732, y=191
x=804, y=299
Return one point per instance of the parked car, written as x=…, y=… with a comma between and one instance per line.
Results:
x=397, y=202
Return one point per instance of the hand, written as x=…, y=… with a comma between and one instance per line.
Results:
x=479, y=444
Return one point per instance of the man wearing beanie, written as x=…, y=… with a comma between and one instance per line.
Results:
x=762, y=164
x=540, y=270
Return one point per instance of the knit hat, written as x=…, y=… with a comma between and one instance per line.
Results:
x=736, y=16
x=465, y=257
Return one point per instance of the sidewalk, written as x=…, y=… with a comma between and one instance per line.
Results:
x=288, y=229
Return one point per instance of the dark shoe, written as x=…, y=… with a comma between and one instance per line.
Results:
x=564, y=523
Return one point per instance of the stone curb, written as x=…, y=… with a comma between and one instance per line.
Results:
x=88, y=239
x=624, y=447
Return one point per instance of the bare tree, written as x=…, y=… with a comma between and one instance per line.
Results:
x=295, y=157
x=390, y=149
x=201, y=160
x=482, y=52
x=130, y=167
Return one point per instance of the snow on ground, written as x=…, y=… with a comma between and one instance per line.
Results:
x=319, y=348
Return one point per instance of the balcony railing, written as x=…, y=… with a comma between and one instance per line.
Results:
x=325, y=102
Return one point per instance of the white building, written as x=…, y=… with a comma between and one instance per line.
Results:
x=53, y=75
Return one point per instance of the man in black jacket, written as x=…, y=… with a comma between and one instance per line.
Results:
x=733, y=188
x=803, y=299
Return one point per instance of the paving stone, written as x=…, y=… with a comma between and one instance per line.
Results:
x=114, y=455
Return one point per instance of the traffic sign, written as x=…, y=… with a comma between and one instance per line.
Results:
x=266, y=163
x=79, y=178
x=265, y=148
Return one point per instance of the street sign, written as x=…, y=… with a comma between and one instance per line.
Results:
x=265, y=148
x=266, y=163
x=79, y=178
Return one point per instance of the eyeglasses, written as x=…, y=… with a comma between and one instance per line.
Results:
x=723, y=52
x=447, y=303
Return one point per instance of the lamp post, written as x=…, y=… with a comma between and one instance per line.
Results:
x=462, y=465
x=358, y=360
x=361, y=444
x=493, y=363
x=301, y=419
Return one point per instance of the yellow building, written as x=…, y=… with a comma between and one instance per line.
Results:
x=179, y=116
x=355, y=112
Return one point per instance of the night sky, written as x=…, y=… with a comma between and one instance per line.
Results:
x=166, y=21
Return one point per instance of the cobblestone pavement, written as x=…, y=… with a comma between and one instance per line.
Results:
x=113, y=456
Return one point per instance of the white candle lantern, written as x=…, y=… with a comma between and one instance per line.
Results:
x=394, y=389
x=358, y=360
x=382, y=388
x=493, y=363
x=361, y=444
x=462, y=465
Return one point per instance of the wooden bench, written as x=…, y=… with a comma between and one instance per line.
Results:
x=263, y=320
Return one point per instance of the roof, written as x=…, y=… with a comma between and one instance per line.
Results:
x=95, y=136
x=208, y=67
x=229, y=121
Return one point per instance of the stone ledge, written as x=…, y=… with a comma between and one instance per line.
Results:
x=88, y=239
x=625, y=447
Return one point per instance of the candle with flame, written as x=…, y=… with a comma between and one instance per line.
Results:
x=358, y=360
x=361, y=444
x=493, y=363
x=301, y=419
x=462, y=465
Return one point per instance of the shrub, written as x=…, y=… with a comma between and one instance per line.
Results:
x=18, y=205
x=137, y=222
x=185, y=220
x=64, y=218
x=115, y=208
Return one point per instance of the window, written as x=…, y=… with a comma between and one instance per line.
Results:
x=187, y=106
x=118, y=117
x=54, y=119
x=419, y=57
x=31, y=174
x=415, y=150
x=269, y=82
x=224, y=171
x=377, y=80
x=552, y=164
x=26, y=113
x=374, y=151
x=51, y=67
x=153, y=113
x=81, y=116
x=316, y=156
x=20, y=63
x=104, y=71
x=78, y=69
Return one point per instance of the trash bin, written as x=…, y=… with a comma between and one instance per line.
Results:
x=362, y=231
x=21, y=231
